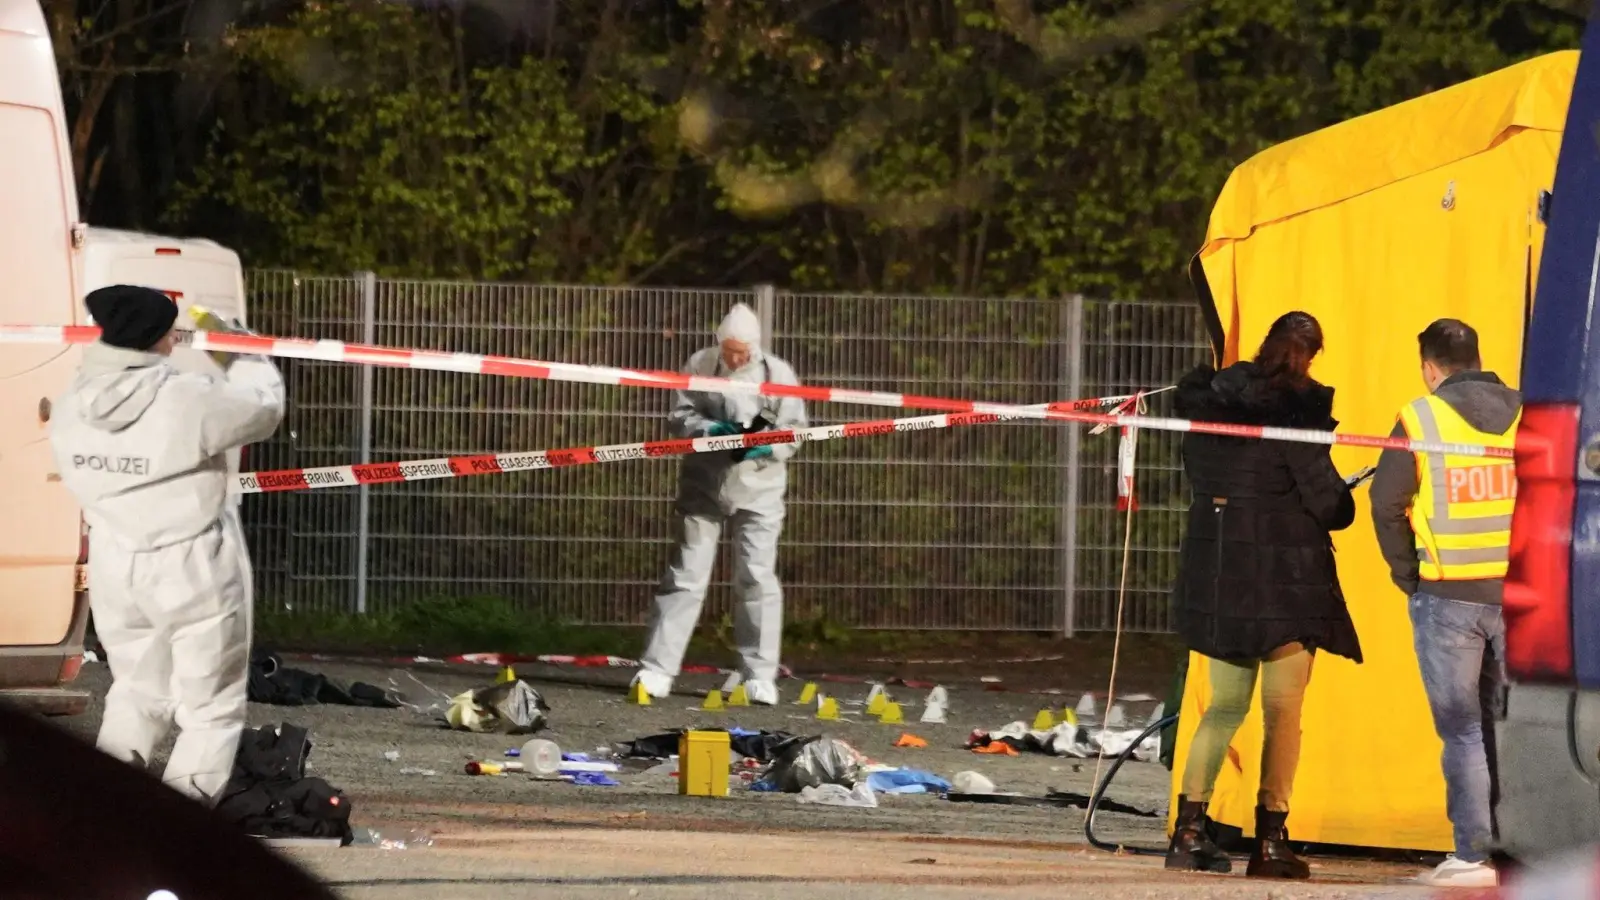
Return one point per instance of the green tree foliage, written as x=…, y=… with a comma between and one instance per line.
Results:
x=994, y=146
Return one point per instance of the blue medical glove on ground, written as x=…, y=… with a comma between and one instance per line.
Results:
x=721, y=429
x=761, y=452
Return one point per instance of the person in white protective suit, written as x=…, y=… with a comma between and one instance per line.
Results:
x=144, y=449
x=742, y=489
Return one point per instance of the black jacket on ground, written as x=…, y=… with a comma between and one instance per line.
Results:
x=1489, y=406
x=1257, y=570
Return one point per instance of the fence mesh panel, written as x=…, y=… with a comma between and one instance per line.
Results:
x=956, y=529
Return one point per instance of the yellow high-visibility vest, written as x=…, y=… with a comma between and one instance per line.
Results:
x=1462, y=512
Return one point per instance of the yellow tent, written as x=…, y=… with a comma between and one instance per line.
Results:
x=1378, y=226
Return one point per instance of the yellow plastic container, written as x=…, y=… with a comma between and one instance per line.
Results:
x=704, y=760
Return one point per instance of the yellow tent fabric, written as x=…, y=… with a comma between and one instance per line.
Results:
x=1378, y=226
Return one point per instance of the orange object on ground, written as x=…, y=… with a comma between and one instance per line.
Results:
x=910, y=740
x=997, y=747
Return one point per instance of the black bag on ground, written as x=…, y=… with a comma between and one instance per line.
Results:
x=269, y=794
x=273, y=682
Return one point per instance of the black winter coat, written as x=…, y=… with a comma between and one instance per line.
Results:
x=1257, y=569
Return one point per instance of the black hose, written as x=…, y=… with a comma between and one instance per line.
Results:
x=1100, y=791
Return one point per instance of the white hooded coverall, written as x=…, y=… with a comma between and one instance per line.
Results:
x=714, y=490
x=144, y=449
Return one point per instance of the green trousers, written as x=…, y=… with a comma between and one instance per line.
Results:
x=1283, y=676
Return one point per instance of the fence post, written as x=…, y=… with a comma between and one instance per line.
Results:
x=1068, y=443
x=369, y=335
x=766, y=301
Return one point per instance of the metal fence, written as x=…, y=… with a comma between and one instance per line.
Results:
x=1003, y=527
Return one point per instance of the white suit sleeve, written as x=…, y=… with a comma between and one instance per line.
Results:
x=791, y=413
x=688, y=418
x=244, y=408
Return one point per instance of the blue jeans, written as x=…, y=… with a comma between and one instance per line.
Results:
x=1462, y=651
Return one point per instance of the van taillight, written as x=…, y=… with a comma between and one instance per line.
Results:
x=168, y=251
x=1538, y=599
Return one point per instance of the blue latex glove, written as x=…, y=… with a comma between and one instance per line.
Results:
x=721, y=429
x=761, y=452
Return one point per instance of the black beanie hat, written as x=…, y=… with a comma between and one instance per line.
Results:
x=133, y=318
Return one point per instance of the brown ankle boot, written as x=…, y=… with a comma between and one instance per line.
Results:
x=1271, y=856
x=1192, y=849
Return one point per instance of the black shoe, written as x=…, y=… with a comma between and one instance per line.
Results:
x=1271, y=856
x=1192, y=849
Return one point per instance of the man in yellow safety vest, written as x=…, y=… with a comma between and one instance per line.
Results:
x=1444, y=524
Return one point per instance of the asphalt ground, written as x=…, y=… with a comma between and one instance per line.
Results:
x=512, y=836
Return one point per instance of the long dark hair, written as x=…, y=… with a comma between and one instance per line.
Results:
x=1290, y=345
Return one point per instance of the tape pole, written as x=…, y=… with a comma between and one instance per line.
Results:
x=500, y=463
x=1071, y=411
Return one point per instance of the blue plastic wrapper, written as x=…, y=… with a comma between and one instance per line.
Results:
x=600, y=779
x=907, y=781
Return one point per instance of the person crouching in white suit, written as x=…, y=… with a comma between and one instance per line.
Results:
x=144, y=449
x=741, y=489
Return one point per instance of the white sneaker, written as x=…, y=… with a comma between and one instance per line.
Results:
x=764, y=693
x=655, y=684
x=1459, y=873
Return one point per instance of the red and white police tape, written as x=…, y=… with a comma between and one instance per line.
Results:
x=497, y=463
x=366, y=354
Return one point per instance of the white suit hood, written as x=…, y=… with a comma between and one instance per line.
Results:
x=740, y=324
x=115, y=386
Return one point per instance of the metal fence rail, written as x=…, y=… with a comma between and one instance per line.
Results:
x=1006, y=527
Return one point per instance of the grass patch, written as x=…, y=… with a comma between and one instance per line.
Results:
x=447, y=626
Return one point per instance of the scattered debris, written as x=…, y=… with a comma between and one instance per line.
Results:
x=811, y=762
x=762, y=746
x=910, y=740
x=907, y=781
x=272, y=682
x=1065, y=739
x=413, y=839
x=510, y=708
x=392, y=755
x=413, y=770
x=859, y=796
x=269, y=794
x=970, y=782
x=539, y=757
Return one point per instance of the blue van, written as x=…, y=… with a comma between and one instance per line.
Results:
x=1549, y=738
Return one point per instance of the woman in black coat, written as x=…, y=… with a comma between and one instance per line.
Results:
x=1257, y=589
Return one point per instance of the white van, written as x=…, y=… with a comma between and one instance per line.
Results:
x=43, y=609
x=192, y=271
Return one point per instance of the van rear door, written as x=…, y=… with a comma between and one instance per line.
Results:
x=39, y=524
